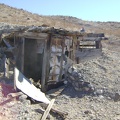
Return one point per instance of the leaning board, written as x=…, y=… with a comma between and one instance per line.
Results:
x=25, y=85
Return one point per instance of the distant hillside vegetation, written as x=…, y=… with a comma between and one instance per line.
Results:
x=16, y=16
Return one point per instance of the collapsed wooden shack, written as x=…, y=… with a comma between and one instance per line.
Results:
x=44, y=54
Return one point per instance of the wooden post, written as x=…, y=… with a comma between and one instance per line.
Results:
x=74, y=47
x=14, y=40
x=14, y=79
x=48, y=110
x=43, y=80
x=77, y=48
x=61, y=60
x=49, y=43
x=22, y=58
x=97, y=44
x=6, y=67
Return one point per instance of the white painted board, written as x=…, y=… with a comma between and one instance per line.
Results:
x=25, y=85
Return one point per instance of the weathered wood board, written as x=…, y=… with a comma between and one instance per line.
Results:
x=25, y=85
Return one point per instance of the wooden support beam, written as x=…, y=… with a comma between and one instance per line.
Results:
x=15, y=87
x=74, y=47
x=61, y=59
x=6, y=67
x=98, y=44
x=22, y=57
x=87, y=45
x=12, y=95
x=43, y=80
x=61, y=113
x=48, y=110
x=14, y=40
x=33, y=35
x=7, y=44
x=77, y=48
x=48, y=56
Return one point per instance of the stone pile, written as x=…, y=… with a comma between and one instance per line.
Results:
x=78, y=82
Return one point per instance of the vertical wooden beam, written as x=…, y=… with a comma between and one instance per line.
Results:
x=49, y=43
x=77, y=48
x=6, y=67
x=15, y=88
x=61, y=59
x=98, y=44
x=43, y=80
x=22, y=58
x=14, y=40
x=74, y=47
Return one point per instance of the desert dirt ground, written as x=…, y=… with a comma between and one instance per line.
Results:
x=101, y=69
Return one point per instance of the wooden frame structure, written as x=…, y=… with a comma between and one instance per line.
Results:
x=35, y=47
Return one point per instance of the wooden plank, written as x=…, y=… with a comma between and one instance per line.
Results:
x=6, y=66
x=61, y=59
x=48, y=110
x=87, y=45
x=7, y=44
x=34, y=35
x=74, y=47
x=15, y=79
x=40, y=110
x=48, y=56
x=22, y=57
x=92, y=38
x=14, y=40
x=25, y=85
x=77, y=48
x=43, y=79
x=11, y=95
x=61, y=113
x=98, y=44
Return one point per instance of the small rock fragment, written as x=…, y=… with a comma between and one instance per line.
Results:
x=117, y=97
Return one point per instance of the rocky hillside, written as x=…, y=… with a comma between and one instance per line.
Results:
x=16, y=16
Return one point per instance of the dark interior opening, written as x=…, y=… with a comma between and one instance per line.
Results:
x=33, y=61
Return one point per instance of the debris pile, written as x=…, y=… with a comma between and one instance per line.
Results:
x=77, y=80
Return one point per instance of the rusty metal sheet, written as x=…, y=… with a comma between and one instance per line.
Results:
x=25, y=85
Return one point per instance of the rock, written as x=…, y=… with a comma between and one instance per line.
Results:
x=117, y=97
x=99, y=91
x=77, y=89
x=75, y=74
x=65, y=82
x=76, y=84
x=87, y=112
x=86, y=89
x=79, y=75
x=101, y=97
x=23, y=96
x=27, y=102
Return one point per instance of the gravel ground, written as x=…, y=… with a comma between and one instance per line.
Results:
x=102, y=71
